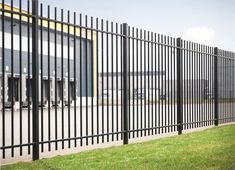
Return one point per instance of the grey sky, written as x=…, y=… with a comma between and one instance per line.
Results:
x=209, y=22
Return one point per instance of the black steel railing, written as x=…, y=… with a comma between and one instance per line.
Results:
x=70, y=84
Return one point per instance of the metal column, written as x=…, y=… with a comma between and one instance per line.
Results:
x=35, y=79
x=179, y=87
x=216, y=85
x=125, y=65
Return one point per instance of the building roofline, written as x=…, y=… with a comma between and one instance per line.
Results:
x=66, y=27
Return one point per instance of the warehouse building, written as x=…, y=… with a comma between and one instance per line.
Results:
x=226, y=79
x=141, y=84
x=192, y=89
x=50, y=75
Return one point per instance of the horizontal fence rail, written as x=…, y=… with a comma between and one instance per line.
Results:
x=69, y=81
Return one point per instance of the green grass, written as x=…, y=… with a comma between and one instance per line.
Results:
x=210, y=149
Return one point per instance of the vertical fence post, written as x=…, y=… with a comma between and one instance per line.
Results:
x=216, y=118
x=125, y=64
x=179, y=86
x=35, y=79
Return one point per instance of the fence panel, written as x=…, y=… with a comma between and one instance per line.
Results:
x=198, y=85
x=70, y=81
x=226, y=84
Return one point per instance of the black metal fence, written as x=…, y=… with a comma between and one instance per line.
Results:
x=70, y=81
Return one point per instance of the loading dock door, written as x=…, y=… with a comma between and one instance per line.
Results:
x=45, y=91
x=59, y=90
x=29, y=90
x=72, y=96
x=13, y=89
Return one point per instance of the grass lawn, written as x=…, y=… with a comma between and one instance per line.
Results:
x=210, y=149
